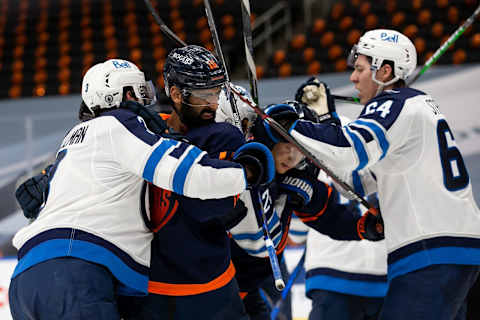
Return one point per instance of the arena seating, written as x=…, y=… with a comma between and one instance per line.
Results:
x=47, y=45
x=325, y=45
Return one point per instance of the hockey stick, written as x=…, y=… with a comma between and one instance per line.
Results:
x=247, y=36
x=277, y=274
x=291, y=280
x=354, y=100
x=163, y=27
x=284, y=133
x=436, y=55
x=218, y=50
x=247, y=40
x=451, y=40
x=277, y=127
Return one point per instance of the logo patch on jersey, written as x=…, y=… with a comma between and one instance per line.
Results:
x=384, y=36
x=109, y=99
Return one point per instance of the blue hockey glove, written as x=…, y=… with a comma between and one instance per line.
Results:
x=153, y=121
x=31, y=194
x=258, y=162
x=297, y=184
x=370, y=225
x=316, y=95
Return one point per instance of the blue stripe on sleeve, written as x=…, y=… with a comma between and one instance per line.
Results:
x=183, y=168
x=357, y=183
x=248, y=236
x=359, y=149
x=154, y=159
x=382, y=140
x=297, y=233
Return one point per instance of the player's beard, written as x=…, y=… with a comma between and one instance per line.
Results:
x=192, y=119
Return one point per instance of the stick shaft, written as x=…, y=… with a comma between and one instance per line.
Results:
x=447, y=44
x=169, y=33
x=290, y=282
x=277, y=273
x=218, y=50
x=279, y=129
x=248, y=43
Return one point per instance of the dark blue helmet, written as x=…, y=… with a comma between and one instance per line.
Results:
x=192, y=67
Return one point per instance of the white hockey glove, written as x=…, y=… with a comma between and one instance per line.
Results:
x=316, y=95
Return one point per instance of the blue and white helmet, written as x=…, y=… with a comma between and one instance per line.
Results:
x=103, y=84
x=385, y=44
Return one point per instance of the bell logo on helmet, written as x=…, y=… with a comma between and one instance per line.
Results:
x=212, y=64
x=120, y=64
x=390, y=38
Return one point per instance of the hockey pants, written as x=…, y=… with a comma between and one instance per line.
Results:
x=64, y=289
x=221, y=304
x=327, y=305
x=437, y=292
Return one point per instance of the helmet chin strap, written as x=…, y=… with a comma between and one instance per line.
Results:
x=382, y=85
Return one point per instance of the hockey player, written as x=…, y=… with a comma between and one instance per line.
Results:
x=432, y=222
x=293, y=190
x=345, y=280
x=89, y=243
x=192, y=276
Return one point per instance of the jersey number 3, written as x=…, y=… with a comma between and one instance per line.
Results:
x=455, y=175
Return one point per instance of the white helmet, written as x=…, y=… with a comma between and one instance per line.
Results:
x=225, y=113
x=103, y=84
x=384, y=44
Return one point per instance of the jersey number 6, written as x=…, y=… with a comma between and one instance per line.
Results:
x=455, y=175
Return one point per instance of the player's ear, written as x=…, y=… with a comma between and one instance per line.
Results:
x=176, y=95
x=387, y=72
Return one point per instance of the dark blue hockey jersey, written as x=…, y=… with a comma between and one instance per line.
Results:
x=191, y=249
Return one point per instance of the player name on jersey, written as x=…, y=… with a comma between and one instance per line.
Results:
x=76, y=137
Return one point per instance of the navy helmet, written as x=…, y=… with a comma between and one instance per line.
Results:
x=192, y=67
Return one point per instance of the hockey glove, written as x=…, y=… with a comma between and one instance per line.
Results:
x=297, y=185
x=316, y=95
x=257, y=160
x=153, y=121
x=31, y=194
x=235, y=215
x=370, y=225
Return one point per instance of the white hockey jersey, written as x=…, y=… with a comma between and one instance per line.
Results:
x=350, y=267
x=93, y=206
x=423, y=185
